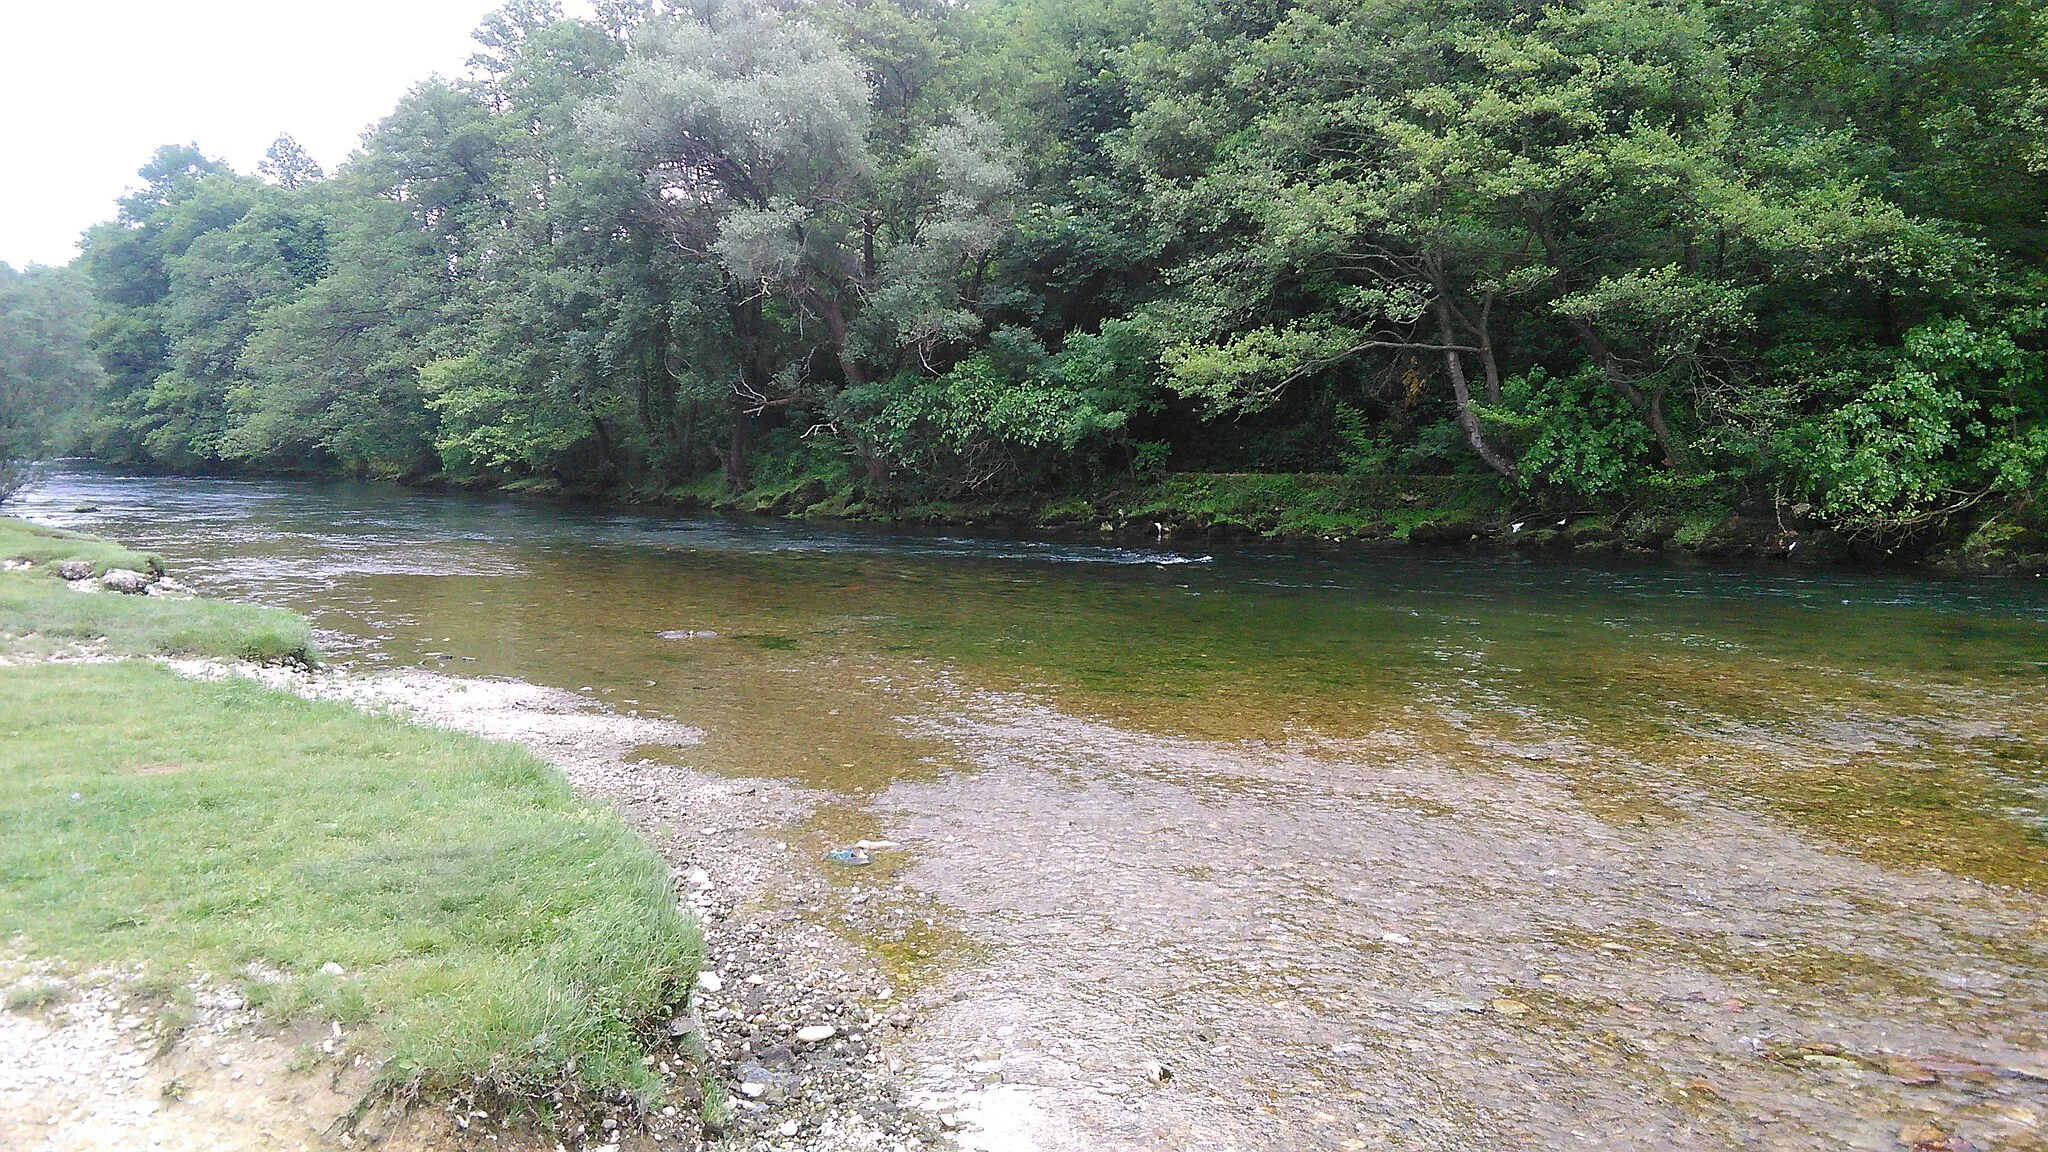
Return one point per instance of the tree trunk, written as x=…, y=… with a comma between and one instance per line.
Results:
x=1462, y=390
x=736, y=452
x=1486, y=357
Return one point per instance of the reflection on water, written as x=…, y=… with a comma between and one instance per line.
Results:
x=1299, y=821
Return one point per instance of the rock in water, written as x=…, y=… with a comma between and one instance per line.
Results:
x=75, y=569
x=125, y=580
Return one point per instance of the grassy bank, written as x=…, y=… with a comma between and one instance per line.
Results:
x=452, y=894
x=40, y=615
x=46, y=547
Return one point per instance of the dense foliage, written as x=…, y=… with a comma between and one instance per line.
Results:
x=1599, y=249
x=47, y=370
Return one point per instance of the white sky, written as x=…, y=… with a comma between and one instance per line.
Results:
x=89, y=88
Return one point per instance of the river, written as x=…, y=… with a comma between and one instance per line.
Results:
x=1367, y=849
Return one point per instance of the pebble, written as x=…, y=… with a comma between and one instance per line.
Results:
x=816, y=1033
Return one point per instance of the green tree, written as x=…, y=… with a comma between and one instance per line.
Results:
x=47, y=369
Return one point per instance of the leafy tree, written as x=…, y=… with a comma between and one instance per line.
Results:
x=288, y=165
x=1602, y=250
x=47, y=369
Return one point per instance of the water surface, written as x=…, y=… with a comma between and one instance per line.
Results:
x=1372, y=848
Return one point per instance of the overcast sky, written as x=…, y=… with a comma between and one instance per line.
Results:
x=88, y=90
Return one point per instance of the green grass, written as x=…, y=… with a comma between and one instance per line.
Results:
x=492, y=928
x=48, y=547
x=488, y=922
x=39, y=615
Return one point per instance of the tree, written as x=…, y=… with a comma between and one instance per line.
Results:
x=288, y=165
x=751, y=131
x=47, y=370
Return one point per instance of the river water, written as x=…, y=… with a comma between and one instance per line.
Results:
x=1367, y=849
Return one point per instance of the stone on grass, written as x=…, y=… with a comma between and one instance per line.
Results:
x=126, y=580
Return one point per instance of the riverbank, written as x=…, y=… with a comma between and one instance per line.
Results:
x=401, y=911
x=1467, y=513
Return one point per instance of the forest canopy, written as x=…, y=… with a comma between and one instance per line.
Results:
x=1589, y=249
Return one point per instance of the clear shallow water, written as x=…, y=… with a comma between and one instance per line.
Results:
x=1285, y=820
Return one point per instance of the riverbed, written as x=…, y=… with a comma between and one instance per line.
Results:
x=1294, y=850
